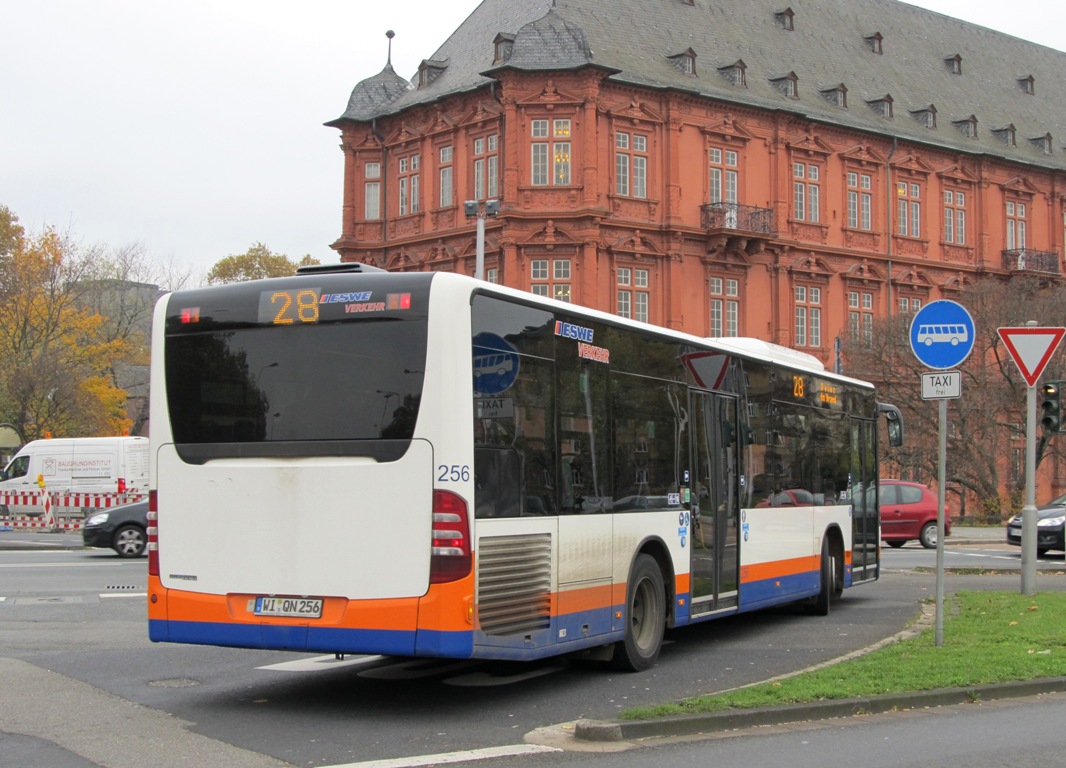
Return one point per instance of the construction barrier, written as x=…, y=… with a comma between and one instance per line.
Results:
x=57, y=500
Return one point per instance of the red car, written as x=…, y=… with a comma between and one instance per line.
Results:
x=908, y=512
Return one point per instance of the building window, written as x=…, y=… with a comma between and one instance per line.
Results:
x=908, y=209
x=372, y=200
x=861, y=316
x=446, y=192
x=806, y=197
x=372, y=191
x=557, y=147
x=909, y=305
x=558, y=286
x=632, y=293
x=860, y=201
x=808, y=316
x=631, y=165
x=724, y=177
x=486, y=167
x=407, y=184
x=492, y=275
x=735, y=73
x=1015, y=226
x=954, y=217
x=561, y=272
x=725, y=307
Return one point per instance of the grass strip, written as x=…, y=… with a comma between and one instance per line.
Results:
x=989, y=637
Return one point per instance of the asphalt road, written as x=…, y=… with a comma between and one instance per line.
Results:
x=81, y=681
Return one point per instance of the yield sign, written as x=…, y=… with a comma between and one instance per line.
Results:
x=1031, y=348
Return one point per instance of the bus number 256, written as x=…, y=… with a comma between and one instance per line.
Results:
x=453, y=473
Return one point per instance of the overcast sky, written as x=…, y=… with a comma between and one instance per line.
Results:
x=195, y=127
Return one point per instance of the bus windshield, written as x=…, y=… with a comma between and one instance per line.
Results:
x=246, y=382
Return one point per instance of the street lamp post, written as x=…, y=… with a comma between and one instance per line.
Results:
x=479, y=209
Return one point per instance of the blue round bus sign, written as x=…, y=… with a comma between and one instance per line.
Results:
x=942, y=334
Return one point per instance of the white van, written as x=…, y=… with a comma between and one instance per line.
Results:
x=77, y=465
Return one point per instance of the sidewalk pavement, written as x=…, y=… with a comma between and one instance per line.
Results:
x=36, y=539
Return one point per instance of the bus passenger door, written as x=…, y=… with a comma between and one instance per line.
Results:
x=715, y=502
x=865, y=520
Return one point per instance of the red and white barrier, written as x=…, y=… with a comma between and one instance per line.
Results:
x=57, y=500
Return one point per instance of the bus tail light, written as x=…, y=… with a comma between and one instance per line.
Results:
x=153, y=533
x=451, y=559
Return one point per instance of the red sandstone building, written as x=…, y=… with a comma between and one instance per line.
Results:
x=723, y=168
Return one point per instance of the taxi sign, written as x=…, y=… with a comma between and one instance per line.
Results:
x=945, y=385
x=942, y=334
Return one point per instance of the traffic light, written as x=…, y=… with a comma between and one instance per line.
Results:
x=1051, y=406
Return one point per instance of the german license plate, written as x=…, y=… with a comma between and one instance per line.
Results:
x=304, y=607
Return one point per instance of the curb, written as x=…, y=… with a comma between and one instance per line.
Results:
x=712, y=722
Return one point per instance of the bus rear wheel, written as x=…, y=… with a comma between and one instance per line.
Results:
x=645, y=617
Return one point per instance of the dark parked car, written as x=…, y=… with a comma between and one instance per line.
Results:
x=123, y=529
x=908, y=512
x=1050, y=519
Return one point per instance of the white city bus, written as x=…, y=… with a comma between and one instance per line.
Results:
x=356, y=461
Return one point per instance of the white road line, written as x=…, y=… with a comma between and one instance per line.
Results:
x=101, y=564
x=321, y=663
x=141, y=595
x=513, y=750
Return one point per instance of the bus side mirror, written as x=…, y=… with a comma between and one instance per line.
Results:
x=894, y=421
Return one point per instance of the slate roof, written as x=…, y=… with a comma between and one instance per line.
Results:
x=830, y=45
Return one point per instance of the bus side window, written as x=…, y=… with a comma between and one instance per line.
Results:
x=497, y=482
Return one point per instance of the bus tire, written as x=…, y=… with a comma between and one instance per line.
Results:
x=819, y=604
x=645, y=617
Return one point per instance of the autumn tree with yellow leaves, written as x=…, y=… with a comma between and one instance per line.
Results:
x=57, y=353
x=255, y=263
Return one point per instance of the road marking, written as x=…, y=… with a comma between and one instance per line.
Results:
x=513, y=750
x=110, y=595
x=101, y=564
x=322, y=663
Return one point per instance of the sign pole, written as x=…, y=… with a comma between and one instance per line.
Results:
x=941, y=482
x=1031, y=347
x=942, y=336
x=1029, y=512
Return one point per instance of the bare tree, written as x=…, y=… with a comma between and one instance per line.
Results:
x=987, y=423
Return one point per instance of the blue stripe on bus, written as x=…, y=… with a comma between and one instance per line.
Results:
x=762, y=594
x=286, y=638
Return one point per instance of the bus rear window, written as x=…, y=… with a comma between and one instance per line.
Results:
x=277, y=384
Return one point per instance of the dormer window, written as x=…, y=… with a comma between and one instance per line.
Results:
x=787, y=84
x=685, y=62
x=954, y=64
x=1007, y=135
x=735, y=73
x=967, y=127
x=874, y=41
x=1028, y=84
x=785, y=19
x=882, y=106
x=926, y=116
x=1043, y=143
x=429, y=70
x=503, y=45
x=837, y=96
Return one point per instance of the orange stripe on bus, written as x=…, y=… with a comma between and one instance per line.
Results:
x=779, y=569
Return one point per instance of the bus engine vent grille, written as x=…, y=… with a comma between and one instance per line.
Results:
x=514, y=583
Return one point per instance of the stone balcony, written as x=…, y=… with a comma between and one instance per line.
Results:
x=1029, y=260
x=739, y=218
